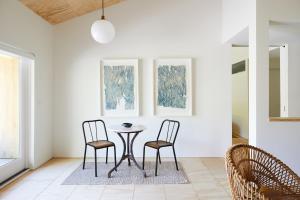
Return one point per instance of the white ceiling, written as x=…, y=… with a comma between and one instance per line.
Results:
x=280, y=33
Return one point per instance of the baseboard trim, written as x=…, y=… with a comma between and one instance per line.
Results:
x=13, y=178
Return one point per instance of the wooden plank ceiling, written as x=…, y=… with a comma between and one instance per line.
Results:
x=57, y=11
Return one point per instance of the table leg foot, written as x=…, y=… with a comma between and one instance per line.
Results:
x=133, y=159
x=129, y=155
x=122, y=158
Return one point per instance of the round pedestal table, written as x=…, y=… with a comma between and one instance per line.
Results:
x=125, y=133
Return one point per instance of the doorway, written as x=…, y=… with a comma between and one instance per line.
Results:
x=240, y=94
x=16, y=116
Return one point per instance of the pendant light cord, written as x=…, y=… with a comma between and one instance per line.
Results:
x=102, y=17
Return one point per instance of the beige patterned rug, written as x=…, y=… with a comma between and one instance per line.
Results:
x=167, y=174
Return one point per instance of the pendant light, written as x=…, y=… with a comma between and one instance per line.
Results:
x=102, y=30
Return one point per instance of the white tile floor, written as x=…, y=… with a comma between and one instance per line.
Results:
x=207, y=177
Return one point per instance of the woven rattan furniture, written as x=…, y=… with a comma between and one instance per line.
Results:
x=257, y=175
x=166, y=138
x=91, y=132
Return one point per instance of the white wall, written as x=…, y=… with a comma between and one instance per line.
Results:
x=240, y=92
x=282, y=139
x=274, y=92
x=289, y=64
x=145, y=30
x=279, y=138
x=23, y=29
x=284, y=81
x=236, y=15
x=293, y=79
x=274, y=85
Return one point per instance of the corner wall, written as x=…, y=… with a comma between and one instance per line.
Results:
x=279, y=138
x=145, y=30
x=24, y=29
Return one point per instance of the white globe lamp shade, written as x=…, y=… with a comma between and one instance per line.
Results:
x=103, y=31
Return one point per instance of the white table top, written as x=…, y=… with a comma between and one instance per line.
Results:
x=122, y=129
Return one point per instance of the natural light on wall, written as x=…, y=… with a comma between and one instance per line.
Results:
x=9, y=106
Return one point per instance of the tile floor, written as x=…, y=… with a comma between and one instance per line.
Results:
x=207, y=177
x=239, y=140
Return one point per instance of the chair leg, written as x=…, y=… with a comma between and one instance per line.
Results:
x=106, y=155
x=175, y=158
x=144, y=156
x=84, y=156
x=95, y=162
x=159, y=157
x=156, y=163
x=128, y=149
x=115, y=156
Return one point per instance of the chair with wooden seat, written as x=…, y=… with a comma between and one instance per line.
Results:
x=91, y=132
x=257, y=175
x=168, y=131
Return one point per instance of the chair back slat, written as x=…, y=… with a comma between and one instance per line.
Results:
x=92, y=130
x=96, y=130
x=172, y=132
x=169, y=128
x=168, y=131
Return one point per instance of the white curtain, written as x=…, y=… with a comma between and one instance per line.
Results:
x=9, y=106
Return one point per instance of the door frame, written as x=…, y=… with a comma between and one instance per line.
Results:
x=26, y=111
x=247, y=70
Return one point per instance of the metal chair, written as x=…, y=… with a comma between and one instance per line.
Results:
x=170, y=127
x=93, y=139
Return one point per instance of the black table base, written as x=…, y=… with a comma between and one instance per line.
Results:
x=129, y=154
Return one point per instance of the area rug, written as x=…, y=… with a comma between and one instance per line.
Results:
x=167, y=174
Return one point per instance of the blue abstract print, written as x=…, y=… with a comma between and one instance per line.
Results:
x=172, y=86
x=119, y=87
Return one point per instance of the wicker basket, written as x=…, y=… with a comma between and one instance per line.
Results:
x=256, y=174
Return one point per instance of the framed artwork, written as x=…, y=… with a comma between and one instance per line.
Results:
x=119, y=87
x=173, y=87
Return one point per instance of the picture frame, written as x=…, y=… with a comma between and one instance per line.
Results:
x=119, y=87
x=172, y=87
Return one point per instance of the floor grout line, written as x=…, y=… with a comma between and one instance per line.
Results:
x=62, y=169
x=57, y=177
x=216, y=180
x=133, y=192
x=101, y=195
